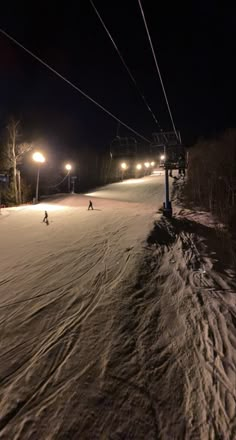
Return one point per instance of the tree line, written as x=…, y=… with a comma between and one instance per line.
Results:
x=92, y=168
x=211, y=182
x=12, y=152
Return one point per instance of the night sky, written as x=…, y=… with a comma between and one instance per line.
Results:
x=195, y=48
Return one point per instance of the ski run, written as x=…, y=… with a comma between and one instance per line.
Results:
x=116, y=323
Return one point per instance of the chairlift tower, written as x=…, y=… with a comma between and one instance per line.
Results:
x=165, y=140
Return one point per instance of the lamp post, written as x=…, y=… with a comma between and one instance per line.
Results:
x=147, y=166
x=68, y=168
x=39, y=158
x=73, y=179
x=162, y=159
x=138, y=170
x=123, y=169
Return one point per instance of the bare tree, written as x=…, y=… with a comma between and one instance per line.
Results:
x=212, y=176
x=14, y=153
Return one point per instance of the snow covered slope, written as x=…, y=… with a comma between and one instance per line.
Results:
x=112, y=328
x=188, y=336
x=59, y=287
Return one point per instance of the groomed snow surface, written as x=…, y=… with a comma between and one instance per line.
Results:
x=111, y=327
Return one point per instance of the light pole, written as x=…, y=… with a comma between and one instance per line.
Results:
x=39, y=158
x=68, y=168
x=138, y=170
x=147, y=166
x=162, y=158
x=123, y=168
x=73, y=179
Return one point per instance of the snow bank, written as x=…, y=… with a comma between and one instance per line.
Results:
x=193, y=352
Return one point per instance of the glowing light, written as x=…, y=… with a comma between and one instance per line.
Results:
x=68, y=167
x=38, y=157
x=124, y=166
x=152, y=164
x=162, y=157
x=139, y=166
x=147, y=164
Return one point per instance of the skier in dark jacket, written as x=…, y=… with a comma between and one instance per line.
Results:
x=45, y=219
x=90, y=206
x=181, y=165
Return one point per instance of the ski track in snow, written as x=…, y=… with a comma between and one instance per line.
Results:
x=196, y=339
x=105, y=336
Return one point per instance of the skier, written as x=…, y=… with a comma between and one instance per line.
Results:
x=45, y=220
x=181, y=165
x=90, y=206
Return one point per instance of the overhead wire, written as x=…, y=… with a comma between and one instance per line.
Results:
x=158, y=70
x=125, y=64
x=58, y=184
x=73, y=85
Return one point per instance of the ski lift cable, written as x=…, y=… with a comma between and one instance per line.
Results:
x=158, y=69
x=64, y=178
x=125, y=65
x=73, y=85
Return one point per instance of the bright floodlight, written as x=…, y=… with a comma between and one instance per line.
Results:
x=152, y=164
x=124, y=166
x=139, y=166
x=162, y=157
x=147, y=164
x=68, y=167
x=38, y=157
